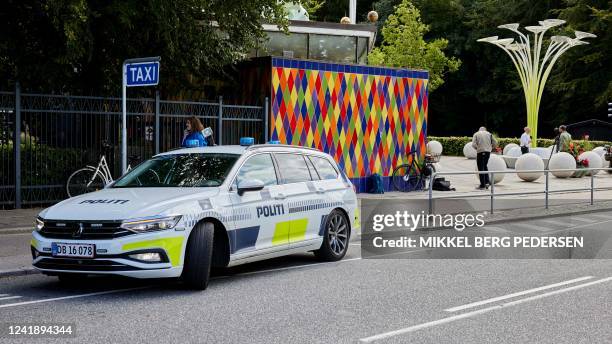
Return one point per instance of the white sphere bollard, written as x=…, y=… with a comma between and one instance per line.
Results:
x=496, y=163
x=600, y=150
x=594, y=159
x=542, y=152
x=434, y=147
x=527, y=162
x=469, y=151
x=560, y=161
x=508, y=147
x=514, y=152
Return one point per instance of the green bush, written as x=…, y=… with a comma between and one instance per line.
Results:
x=453, y=145
x=43, y=165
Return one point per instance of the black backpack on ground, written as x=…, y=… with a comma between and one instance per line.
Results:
x=441, y=184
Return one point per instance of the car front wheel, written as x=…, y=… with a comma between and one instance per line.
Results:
x=198, y=256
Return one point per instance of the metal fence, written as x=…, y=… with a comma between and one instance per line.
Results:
x=44, y=138
x=547, y=191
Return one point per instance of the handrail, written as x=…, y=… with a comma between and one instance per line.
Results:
x=492, y=193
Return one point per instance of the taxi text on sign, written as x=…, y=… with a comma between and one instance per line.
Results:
x=142, y=74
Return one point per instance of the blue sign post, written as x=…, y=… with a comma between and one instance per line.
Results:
x=136, y=72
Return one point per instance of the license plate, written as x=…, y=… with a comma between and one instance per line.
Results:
x=59, y=249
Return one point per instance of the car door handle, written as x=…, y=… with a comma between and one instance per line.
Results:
x=280, y=196
x=320, y=190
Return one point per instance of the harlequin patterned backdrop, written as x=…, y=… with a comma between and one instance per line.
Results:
x=367, y=118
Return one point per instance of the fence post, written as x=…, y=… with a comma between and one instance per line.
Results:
x=220, y=121
x=17, y=146
x=546, y=191
x=157, y=122
x=592, y=185
x=433, y=177
x=492, y=181
x=266, y=118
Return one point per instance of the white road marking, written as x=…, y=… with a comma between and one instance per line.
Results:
x=477, y=312
x=4, y=295
x=533, y=227
x=555, y=222
x=151, y=286
x=589, y=224
x=605, y=216
x=508, y=296
x=583, y=219
x=9, y=297
x=71, y=297
x=495, y=229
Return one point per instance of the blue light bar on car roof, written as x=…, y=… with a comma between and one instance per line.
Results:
x=247, y=141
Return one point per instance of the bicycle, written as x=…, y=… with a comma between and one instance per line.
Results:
x=90, y=178
x=414, y=175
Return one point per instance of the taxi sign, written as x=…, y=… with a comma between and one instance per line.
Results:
x=142, y=74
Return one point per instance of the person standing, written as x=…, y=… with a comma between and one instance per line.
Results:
x=565, y=139
x=193, y=133
x=483, y=142
x=525, y=140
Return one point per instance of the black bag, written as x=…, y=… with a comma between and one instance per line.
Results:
x=375, y=184
x=441, y=184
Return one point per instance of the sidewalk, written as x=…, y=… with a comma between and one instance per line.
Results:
x=17, y=220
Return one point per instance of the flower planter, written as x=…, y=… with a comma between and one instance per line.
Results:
x=580, y=173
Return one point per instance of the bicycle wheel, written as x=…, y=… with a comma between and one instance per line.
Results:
x=407, y=177
x=83, y=181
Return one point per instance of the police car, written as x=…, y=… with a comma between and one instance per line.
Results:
x=182, y=212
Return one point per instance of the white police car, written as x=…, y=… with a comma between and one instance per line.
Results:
x=181, y=212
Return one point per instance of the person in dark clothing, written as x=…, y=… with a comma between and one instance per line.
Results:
x=483, y=142
x=193, y=133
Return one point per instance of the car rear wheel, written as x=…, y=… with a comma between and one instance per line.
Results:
x=335, y=237
x=198, y=256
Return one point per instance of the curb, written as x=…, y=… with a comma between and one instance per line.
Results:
x=543, y=216
x=18, y=272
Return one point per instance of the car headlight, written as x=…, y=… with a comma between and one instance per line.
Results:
x=149, y=224
x=39, y=224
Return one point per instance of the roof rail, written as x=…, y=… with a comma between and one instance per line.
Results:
x=272, y=145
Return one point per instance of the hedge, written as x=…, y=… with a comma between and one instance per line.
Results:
x=453, y=145
x=42, y=165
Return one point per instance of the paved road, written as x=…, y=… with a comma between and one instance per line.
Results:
x=297, y=300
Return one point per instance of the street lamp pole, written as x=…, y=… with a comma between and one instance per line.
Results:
x=532, y=67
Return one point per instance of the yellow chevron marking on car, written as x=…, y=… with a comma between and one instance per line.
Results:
x=281, y=233
x=357, y=221
x=289, y=231
x=172, y=246
x=297, y=231
x=33, y=243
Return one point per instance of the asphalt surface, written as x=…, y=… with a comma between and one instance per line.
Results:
x=298, y=300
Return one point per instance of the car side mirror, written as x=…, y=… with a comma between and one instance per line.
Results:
x=249, y=185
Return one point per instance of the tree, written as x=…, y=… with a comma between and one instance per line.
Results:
x=583, y=85
x=79, y=45
x=312, y=7
x=403, y=45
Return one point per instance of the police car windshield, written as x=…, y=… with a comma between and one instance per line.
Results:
x=180, y=170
